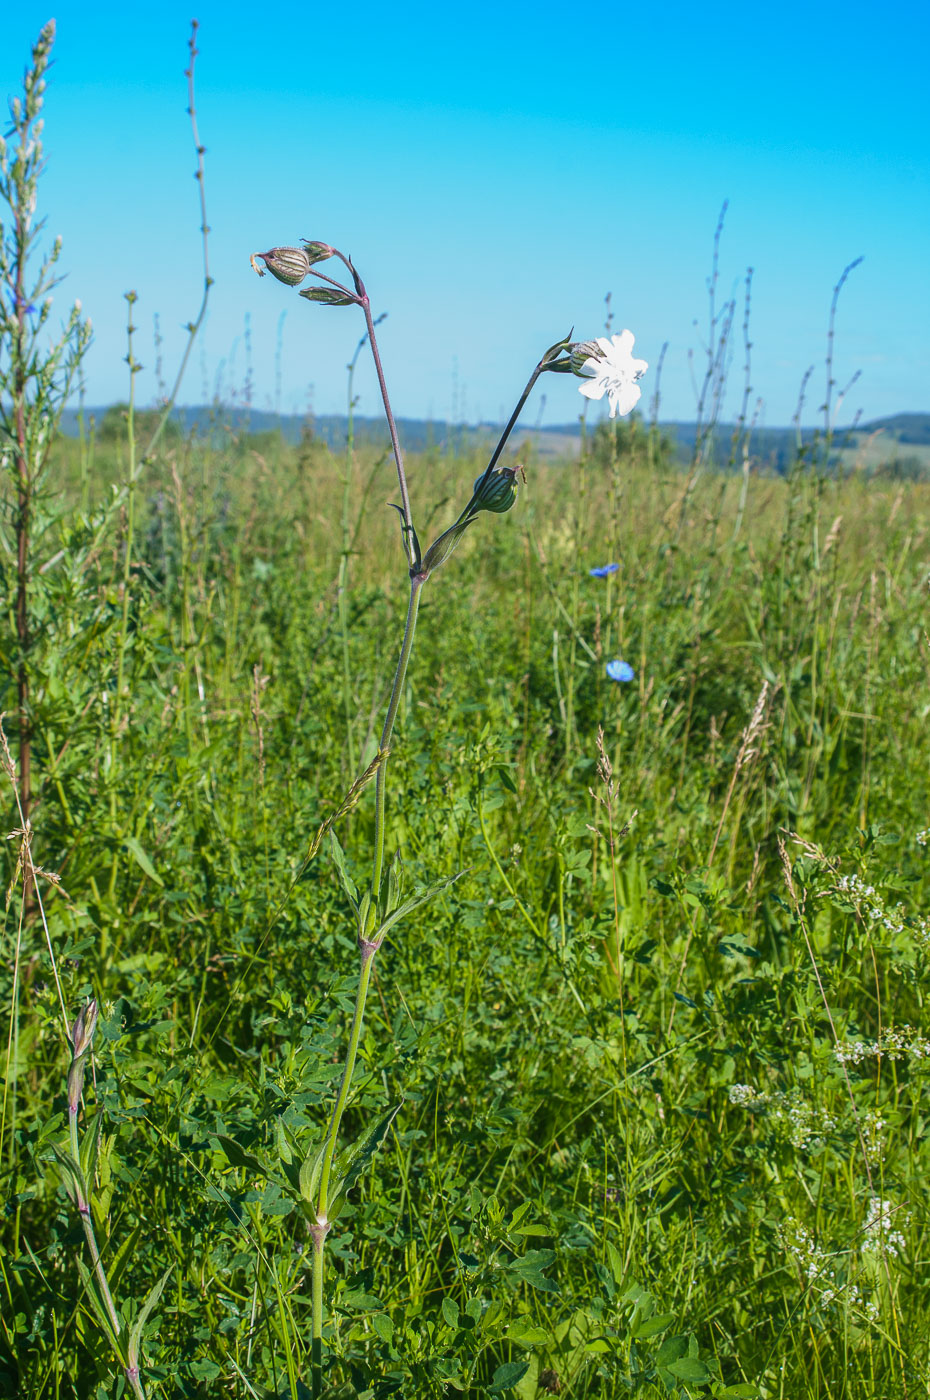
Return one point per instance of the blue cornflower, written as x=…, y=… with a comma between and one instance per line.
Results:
x=620, y=671
x=604, y=570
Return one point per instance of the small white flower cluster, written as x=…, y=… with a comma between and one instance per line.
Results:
x=804, y=1125
x=815, y=1266
x=922, y=837
x=871, y=906
x=745, y=1096
x=900, y=1043
x=880, y=1233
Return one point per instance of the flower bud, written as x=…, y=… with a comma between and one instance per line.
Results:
x=495, y=492
x=82, y=1032
x=317, y=252
x=289, y=265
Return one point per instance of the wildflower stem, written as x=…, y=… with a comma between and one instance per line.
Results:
x=369, y=948
x=513, y=419
x=399, y=677
x=87, y=1224
x=395, y=443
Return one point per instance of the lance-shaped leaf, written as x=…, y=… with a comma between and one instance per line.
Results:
x=311, y=1170
x=442, y=547
x=414, y=902
x=145, y=1312
x=72, y=1177
x=390, y=897
x=329, y=296
x=238, y=1157
x=411, y=542
x=116, y=1340
x=90, y=1148
x=345, y=879
x=353, y=1160
x=554, y=351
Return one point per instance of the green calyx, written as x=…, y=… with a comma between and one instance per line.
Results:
x=495, y=491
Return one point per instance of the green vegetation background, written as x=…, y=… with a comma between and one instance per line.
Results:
x=572, y=1199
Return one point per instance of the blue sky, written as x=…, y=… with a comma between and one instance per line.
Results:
x=494, y=170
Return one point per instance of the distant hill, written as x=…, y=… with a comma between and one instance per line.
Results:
x=912, y=428
x=772, y=448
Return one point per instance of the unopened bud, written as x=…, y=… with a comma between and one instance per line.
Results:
x=289, y=265
x=82, y=1032
x=496, y=491
x=317, y=252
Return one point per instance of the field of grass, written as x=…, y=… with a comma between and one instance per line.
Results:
x=657, y=1055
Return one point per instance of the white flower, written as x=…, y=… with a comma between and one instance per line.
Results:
x=614, y=372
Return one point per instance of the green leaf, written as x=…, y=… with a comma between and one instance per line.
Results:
x=345, y=879
x=142, y=860
x=671, y=1349
x=395, y=883
x=384, y=1327
x=311, y=1170
x=72, y=1175
x=690, y=1370
x=507, y=1376
x=90, y=1148
x=416, y=902
x=103, y=1317
x=353, y=1159
x=145, y=1312
x=524, y=1334
x=653, y=1326
x=738, y=1392
x=443, y=546
x=328, y=296
x=450, y=1312
x=238, y=1157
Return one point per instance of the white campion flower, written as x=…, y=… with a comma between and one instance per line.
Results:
x=613, y=371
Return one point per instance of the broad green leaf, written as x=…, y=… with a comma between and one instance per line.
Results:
x=524, y=1334
x=90, y=1147
x=384, y=1327
x=507, y=1376
x=671, y=1349
x=738, y=1392
x=690, y=1370
x=653, y=1326
x=72, y=1175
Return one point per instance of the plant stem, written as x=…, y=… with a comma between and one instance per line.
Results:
x=83, y=1205
x=395, y=442
x=369, y=948
x=513, y=419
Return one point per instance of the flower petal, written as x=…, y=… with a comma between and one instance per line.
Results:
x=593, y=389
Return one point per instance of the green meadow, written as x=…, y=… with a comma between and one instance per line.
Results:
x=524, y=999
x=657, y=1051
